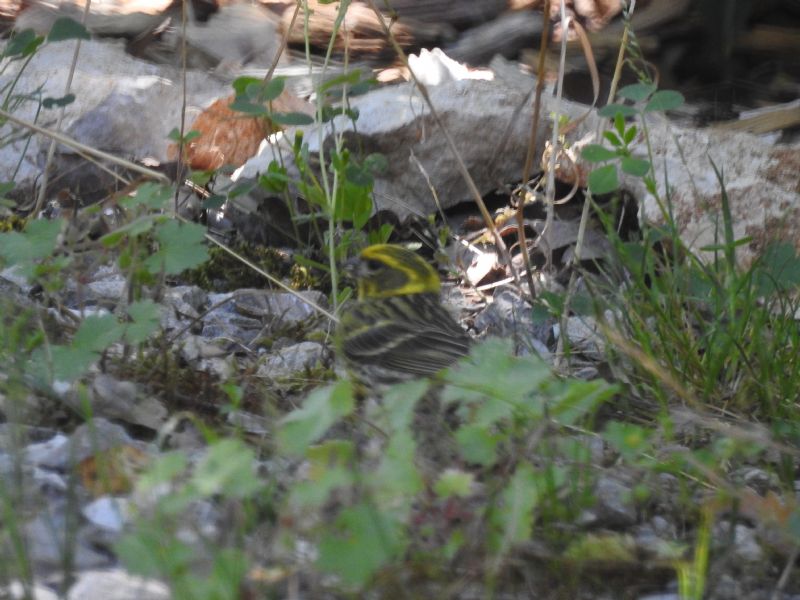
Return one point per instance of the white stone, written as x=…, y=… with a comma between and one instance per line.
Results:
x=761, y=180
x=108, y=513
x=291, y=360
x=116, y=585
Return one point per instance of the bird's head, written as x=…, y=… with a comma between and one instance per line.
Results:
x=385, y=270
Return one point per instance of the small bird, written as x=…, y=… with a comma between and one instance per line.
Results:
x=397, y=328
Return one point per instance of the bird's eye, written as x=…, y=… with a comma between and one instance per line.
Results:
x=374, y=265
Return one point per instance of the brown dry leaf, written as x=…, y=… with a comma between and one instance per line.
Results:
x=230, y=138
x=226, y=137
x=112, y=471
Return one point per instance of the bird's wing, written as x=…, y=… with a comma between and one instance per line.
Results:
x=413, y=347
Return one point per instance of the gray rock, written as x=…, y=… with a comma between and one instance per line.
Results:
x=396, y=122
x=26, y=408
x=663, y=528
x=110, y=86
x=40, y=454
x=122, y=400
x=224, y=320
x=49, y=484
x=97, y=435
x=236, y=34
x=47, y=537
x=213, y=356
x=12, y=276
x=180, y=315
x=745, y=545
x=111, y=287
x=280, y=308
x=760, y=180
x=195, y=348
x=509, y=315
x=727, y=587
x=757, y=479
x=248, y=422
x=654, y=546
x=187, y=300
x=614, y=507
x=583, y=334
x=292, y=360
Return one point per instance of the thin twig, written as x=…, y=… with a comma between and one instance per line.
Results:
x=526, y=170
x=182, y=126
x=52, y=150
x=777, y=594
x=550, y=187
x=71, y=143
x=284, y=43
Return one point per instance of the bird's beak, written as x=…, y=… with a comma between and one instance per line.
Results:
x=350, y=268
x=353, y=270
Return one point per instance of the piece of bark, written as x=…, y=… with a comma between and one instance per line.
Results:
x=764, y=120
x=360, y=32
x=117, y=18
x=9, y=9
x=770, y=39
x=424, y=12
x=505, y=35
x=459, y=14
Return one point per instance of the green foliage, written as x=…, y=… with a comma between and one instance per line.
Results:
x=154, y=549
x=692, y=574
x=65, y=28
x=604, y=180
x=181, y=247
x=29, y=249
x=224, y=272
x=499, y=399
x=23, y=44
x=321, y=409
x=175, y=136
x=149, y=244
x=511, y=520
x=360, y=541
x=697, y=329
x=493, y=384
x=723, y=335
x=337, y=184
x=94, y=335
x=453, y=482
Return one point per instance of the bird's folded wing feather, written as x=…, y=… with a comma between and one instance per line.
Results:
x=412, y=347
